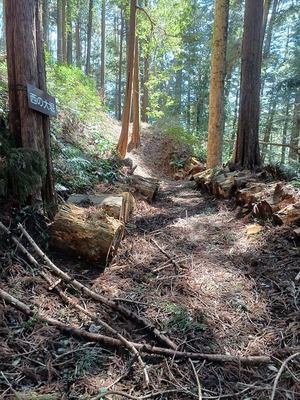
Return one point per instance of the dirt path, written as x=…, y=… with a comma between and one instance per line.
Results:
x=187, y=264
x=187, y=260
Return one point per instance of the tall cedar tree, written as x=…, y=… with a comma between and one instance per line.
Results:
x=246, y=153
x=123, y=140
x=216, y=97
x=25, y=64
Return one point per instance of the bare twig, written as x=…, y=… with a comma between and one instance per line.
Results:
x=283, y=365
x=197, y=380
x=175, y=263
x=9, y=385
x=145, y=397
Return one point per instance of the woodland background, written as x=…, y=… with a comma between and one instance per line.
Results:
x=175, y=44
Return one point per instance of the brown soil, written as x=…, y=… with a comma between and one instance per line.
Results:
x=187, y=265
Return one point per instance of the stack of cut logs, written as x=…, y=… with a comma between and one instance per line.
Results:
x=91, y=227
x=254, y=192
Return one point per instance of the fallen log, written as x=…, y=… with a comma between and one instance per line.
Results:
x=90, y=233
x=119, y=204
x=289, y=215
x=144, y=188
x=113, y=206
x=276, y=201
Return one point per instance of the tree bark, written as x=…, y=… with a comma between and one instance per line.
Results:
x=59, y=33
x=64, y=32
x=26, y=64
x=123, y=140
x=89, y=39
x=103, y=48
x=69, y=35
x=45, y=20
x=246, y=152
x=270, y=27
x=120, y=69
x=269, y=126
x=293, y=154
x=216, y=98
x=285, y=129
x=77, y=37
x=136, y=126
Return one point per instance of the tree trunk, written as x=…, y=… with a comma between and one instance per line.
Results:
x=145, y=97
x=59, y=33
x=45, y=20
x=136, y=126
x=123, y=140
x=270, y=28
x=69, y=35
x=294, y=143
x=178, y=89
x=285, y=129
x=77, y=37
x=25, y=63
x=120, y=69
x=103, y=48
x=64, y=32
x=89, y=39
x=216, y=98
x=269, y=126
x=246, y=152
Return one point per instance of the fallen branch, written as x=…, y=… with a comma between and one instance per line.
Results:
x=83, y=289
x=280, y=372
x=197, y=380
x=99, y=321
x=175, y=263
x=144, y=397
x=112, y=342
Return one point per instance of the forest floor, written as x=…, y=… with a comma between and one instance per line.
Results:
x=187, y=265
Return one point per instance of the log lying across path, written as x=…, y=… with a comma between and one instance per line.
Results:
x=255, y=192
x=91, y=227
x=88, y=233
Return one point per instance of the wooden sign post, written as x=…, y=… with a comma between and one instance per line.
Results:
x=41, y=101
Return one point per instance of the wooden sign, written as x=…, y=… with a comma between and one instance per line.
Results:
x=41, y=101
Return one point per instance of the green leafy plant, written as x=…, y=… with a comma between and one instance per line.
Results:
x=181, y=320
x=78, y=171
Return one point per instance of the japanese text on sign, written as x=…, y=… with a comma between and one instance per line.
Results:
x=41, y=101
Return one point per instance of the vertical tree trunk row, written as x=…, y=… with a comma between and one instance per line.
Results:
x=216, y=97
x=246, y=152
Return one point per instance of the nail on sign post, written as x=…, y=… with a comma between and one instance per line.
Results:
x=41, y=101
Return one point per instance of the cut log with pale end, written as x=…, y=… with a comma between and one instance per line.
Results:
x=114, y=206
x=224, y=185
x=88, y=233
x=129, y=204
x=145, y=188
x=289, y=215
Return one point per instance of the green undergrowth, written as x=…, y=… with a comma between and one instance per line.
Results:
x=181, y=319
x=182, y=142
x=82, y=155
